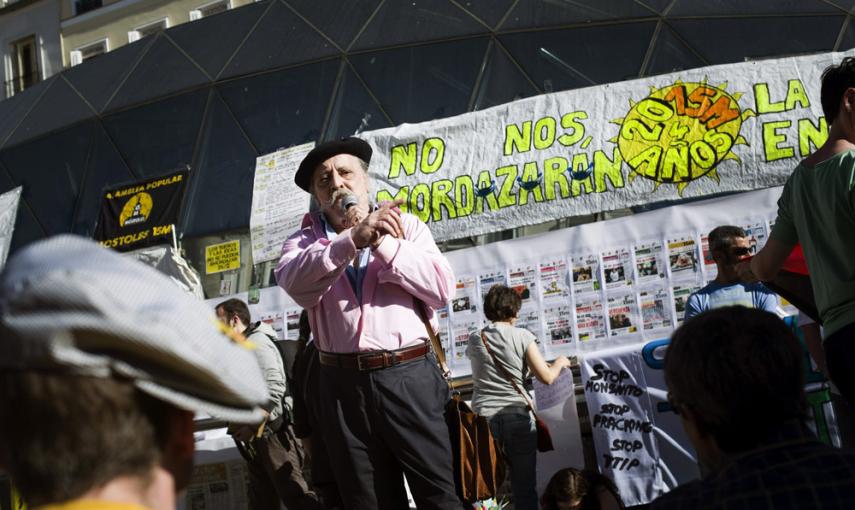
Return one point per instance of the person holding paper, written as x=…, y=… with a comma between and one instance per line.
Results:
x=365, y=272
x=493, y=394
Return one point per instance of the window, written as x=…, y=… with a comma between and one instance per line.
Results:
x=148, y=29
x=212, y=8
x=84, y=53
x=24, y=64
x=81, y=6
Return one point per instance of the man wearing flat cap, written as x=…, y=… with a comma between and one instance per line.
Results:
x=103, y=363
x=363, y=272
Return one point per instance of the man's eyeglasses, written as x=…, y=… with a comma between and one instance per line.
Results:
x=740, y=252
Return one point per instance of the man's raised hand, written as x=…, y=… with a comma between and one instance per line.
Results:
x=386, y=220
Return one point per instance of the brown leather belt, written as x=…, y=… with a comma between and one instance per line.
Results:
x=376, y=360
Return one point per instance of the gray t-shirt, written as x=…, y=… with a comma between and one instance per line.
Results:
x=492, y=392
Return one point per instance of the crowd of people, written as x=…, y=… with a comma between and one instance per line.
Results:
x=104, y=361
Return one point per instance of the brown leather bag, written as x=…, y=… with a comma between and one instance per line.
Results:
x=479, y=465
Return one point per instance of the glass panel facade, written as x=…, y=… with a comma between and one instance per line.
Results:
x=342, y=28
x=283, y=108
x=579, y=57
x=671, y=54
x=212, y=53
x=162, y=70
x=543, y=13
x=409, y=22
x=54, y=183
x=99, y=78
x=353, y=110
x=158, y=138
x=281, y=38
x=45, y=116
x=221, y=185
x=423, y=82
x=705, y=36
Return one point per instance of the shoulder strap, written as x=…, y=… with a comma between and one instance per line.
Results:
x=434, y=340
x=507, y=375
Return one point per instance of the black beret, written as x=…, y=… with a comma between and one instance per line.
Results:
x=353, y=146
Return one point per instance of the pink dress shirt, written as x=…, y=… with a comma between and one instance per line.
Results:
x=311, y=270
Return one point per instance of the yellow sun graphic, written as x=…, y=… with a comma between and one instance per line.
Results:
x=681, y=132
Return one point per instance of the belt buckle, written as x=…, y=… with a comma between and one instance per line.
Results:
x=389, y=359
x=359, y=358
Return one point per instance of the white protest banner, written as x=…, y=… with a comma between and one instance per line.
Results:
x=692, y=133
x=278, y=205
x=622, y=423
x=8, y=213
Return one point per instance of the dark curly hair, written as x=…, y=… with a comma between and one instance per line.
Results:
x=501, y=303
x=578, y=488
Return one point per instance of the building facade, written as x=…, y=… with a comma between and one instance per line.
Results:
x=30, y=45
x=93, y=27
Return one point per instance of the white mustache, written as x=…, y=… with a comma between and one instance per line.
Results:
x=337, y=195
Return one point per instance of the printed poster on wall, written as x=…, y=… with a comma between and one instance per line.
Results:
x=278, y=204
x=586, y=273
x=617, y=269
x=558, y=325
x=529, y=318
x=623, y=319
x=756, y=233
x=523, y=279
x=686, y=134
x=443, y=332
x=683, y=257
x=292, y=323
x=649, y=266
x=554, y=279
x=276, y=320
x=461, y=329
x=465, y=301
x=590, y=321
x=655, y=309
x=681, y=294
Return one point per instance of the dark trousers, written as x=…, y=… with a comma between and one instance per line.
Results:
x=840, y=359
x=383, y=424
x=323, y=479
x=276, y=472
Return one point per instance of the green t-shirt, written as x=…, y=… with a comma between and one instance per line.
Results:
x=817, y=208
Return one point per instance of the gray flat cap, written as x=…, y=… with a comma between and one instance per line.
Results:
x=69, y=305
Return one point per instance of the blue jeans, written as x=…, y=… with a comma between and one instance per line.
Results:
x=518, y=438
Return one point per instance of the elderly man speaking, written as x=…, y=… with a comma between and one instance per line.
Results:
x=363, y=271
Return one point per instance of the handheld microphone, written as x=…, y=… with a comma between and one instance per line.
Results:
x=347, y=201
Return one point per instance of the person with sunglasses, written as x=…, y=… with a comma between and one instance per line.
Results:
x=729, y=246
